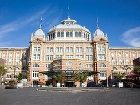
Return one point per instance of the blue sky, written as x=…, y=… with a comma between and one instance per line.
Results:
x=120, y=19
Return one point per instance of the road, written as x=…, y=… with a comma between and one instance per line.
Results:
x=30, y=96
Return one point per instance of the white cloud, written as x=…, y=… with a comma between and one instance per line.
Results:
x=49, y=14
x=132, y=37
x=15, y=25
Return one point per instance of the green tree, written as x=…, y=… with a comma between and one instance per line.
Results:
x=2, y=71
x=81, y=77
x=119, y=76
x=137, y=69
x=19, y=77
x=58, y=76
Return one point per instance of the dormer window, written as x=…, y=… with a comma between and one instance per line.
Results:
x=62, y=34
x=69, y=34
x=78, y=34
x=58, y=34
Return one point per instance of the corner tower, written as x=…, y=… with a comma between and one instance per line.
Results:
x=36, y=57
x=100, y=55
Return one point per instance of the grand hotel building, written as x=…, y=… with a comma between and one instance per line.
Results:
x=68, y=47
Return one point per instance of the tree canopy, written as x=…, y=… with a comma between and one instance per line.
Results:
x=137, y=69
x=19, y=76
x=81, y=76
x=2, y=70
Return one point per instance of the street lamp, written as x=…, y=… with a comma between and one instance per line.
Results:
x=14, y=70
x=107, y=80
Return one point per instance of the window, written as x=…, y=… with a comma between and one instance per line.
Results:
x=69, y=49
x=35, y=65
x=58, y=34
x=62, y=34
x=89, y=57
x=59, y=49
x=102, y=65
x=126, y=52
x=69, y=34
x=102, y=73
x=36, y=56
x=53, y=35
x=78, y=34
x=35, y=74
x=78, y=49
x=101, y=56
x=126, y=55
x=36, y=49
x=58, y=56
x=120, y=62
x=48, y=66
x=113, y=62
x=88, y=65
x=69, y=72
x=49, y=49
x=89, y=49
x=17, y=57
x=101, y=48
x=112, y=55
x=127, y=61
x=49, y=57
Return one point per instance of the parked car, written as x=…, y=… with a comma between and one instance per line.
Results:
x=19, y=85
x=11, y=85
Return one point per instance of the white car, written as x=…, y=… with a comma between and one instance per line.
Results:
x=20, y=85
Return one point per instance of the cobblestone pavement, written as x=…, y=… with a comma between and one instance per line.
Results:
x=30, y=96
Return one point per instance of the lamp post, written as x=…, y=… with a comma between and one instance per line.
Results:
x=112, y=72
x=14, y=70
x=107, y=80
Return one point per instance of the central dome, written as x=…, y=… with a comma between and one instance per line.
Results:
x=68, y=24
x=68, y=29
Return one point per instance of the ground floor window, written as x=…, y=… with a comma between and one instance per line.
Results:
x=35, y=73
x=102, y=73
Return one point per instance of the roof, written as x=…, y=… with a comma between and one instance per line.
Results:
x=39, y=32
x=69, y=24
x=13, y=47
x=122, y=48
x=99, y=32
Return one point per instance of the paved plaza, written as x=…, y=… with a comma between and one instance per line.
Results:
x=31, y=96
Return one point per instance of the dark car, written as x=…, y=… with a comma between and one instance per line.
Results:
x=11, y=85
x=91, y=84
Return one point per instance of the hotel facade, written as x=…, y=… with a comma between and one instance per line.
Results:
x=68, y=47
